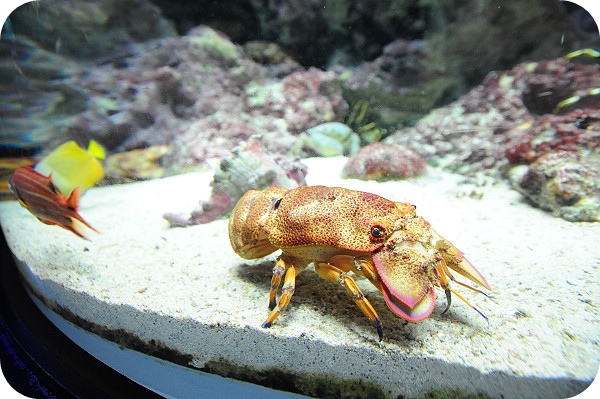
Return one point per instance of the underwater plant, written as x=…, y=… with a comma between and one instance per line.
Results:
x=336, y=138
x=328, y=140
x=368, y=131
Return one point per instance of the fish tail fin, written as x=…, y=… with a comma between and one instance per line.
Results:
x=96, y=150
x=73, y=203
x=76, y=226
x=72, y=226
x=77, y=230
x=82, y=220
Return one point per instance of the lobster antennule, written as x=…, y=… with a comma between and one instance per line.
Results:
x=467, y=302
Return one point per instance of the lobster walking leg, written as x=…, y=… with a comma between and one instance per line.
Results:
x=336, y=275
x=359, y=266
x=278, y=272
x=289, y=285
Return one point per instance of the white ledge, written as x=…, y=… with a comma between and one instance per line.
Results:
x=183, y=295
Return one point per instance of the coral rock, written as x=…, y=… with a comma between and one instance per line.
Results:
x=200, y=95
x=90, y=28
x=248, y=167
x=328, y=140
x=472, y=134
x=310, y=96
x=379, y=161
x=576, y=132
x=562, y=175
x=140, y=164
x=564, y=184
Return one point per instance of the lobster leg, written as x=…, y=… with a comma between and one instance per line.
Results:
x=289, y=285
x=278, y=272
x=337, y=275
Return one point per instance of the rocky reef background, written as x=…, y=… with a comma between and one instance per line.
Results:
x=477, y=87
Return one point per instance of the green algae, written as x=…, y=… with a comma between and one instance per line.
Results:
x=215, y=44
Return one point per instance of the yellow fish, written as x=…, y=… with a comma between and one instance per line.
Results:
x=71, y=166
x=50, y=190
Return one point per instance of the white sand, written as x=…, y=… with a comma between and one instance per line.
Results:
x=186, y=289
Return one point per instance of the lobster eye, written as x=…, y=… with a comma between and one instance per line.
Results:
x=377, y=233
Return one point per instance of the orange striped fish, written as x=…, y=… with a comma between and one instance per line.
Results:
x=38, y=194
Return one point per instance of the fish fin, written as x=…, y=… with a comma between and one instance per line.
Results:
x=77, y=229
x=96, y=149
x=73, y=204
x=49, y=222
x=52, y=186
x=74, y=225
x=23, y=203
x=73, y=200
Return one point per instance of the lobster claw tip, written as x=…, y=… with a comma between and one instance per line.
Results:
x=456, y=261
x=466, y=269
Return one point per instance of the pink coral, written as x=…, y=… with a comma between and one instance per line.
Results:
x=561, y=172
x=311, y=95
x=576, y=132
x=474, y=132
x=563, y=183
x=379, y=161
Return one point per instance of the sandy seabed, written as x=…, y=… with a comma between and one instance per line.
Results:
x=187, y=290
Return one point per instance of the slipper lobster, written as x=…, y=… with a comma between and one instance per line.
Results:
x=341, y=231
